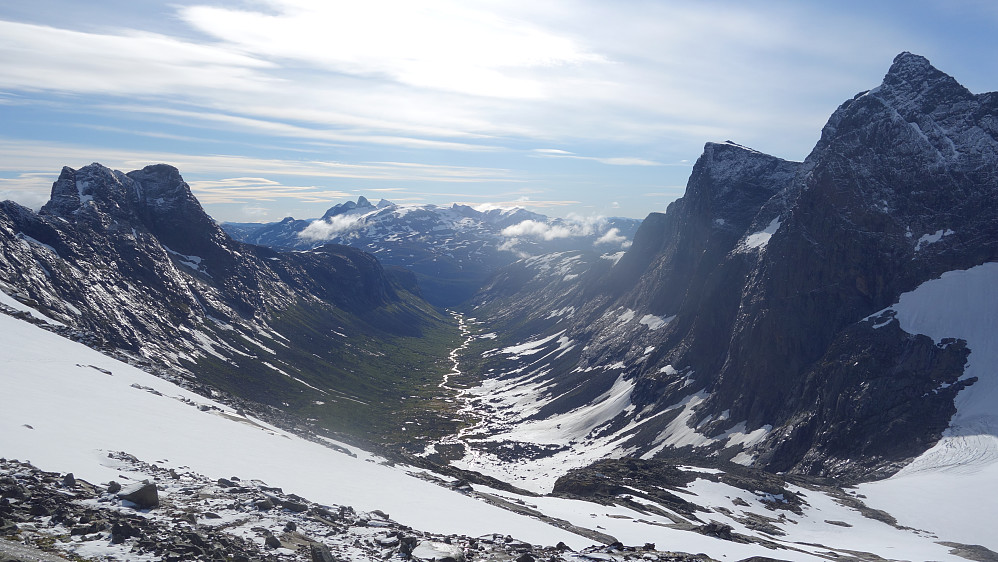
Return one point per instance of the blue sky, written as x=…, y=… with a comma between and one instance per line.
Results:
x=274, y=108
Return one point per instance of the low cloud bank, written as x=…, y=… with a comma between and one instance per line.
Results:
x=327, y=230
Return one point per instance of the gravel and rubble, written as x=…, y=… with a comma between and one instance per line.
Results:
x=180, y=515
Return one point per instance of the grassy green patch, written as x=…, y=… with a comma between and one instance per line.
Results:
x=373, y=375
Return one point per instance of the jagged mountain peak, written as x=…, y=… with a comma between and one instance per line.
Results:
x=361, y=204
x=155, y=199
x=91, y=187
x=729, y=178
x=161, y=186
x=917, y=109
x=913, y=81
x=912, y=69
x=118, y=194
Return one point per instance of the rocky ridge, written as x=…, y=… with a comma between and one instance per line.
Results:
x=234, y=519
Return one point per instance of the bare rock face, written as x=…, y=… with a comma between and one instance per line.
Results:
x=746, y=307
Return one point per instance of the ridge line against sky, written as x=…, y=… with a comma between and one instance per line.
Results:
x=274, y=108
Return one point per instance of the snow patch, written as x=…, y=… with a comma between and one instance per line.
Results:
x=655, y=322
x=759, y=240
x=962, y=467
x=927, y=239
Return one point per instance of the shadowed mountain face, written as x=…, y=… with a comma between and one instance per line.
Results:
x=740, y=319
x=133, y=261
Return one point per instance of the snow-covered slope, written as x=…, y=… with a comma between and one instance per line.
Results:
x=66, y=407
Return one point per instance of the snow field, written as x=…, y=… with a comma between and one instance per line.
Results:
x=77, y=414
x=950, y=489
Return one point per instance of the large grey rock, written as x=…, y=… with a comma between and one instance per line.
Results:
x=145, y=495
x=431, y=551
x=321, y=553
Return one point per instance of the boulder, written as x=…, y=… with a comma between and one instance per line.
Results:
x=431, y=551
x=143, y=494
x=321, y=553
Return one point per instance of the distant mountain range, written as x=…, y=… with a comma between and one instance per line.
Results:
x=452, y=250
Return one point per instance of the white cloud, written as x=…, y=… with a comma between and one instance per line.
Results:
x=49, y=157
x=469, y=75
x=612, y=236
x=29, y=189
x=252, y=190
x=537, y=229
x=612, y=161
x=573, y=226
x=436, y=44
x=49, y=58
x=328, y=229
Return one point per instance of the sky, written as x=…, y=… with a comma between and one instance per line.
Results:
x=274, y=108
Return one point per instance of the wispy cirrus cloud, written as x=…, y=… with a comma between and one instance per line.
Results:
x=439, y=44
x=472, y=83
x=613, y=161
x=220, y=178
x=52, y=156
x=214, y=119
x=133, y=62
x=245, y=190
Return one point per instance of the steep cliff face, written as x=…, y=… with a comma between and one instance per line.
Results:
x=134, y=260
x=900, y=189
x=741, y=321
